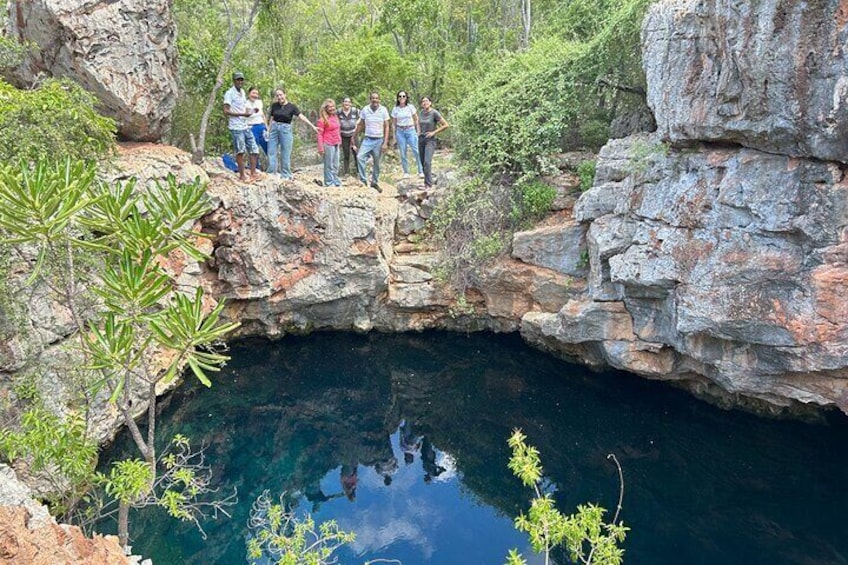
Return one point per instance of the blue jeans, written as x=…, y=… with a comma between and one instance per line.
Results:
x=281, y=139
x=407, y=138
x=370, y=146
x=331, y=165
x=259, y=136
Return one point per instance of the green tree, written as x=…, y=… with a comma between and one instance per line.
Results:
x=354, y=67
x=141, y=331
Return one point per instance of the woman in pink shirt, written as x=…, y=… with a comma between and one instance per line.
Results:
x=329, y=142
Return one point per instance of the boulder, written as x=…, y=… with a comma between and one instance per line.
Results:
x=123, y=51
x=770, y=74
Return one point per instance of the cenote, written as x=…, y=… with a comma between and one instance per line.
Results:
x=424, y=418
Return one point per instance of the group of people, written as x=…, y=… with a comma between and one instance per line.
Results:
x=337, y=130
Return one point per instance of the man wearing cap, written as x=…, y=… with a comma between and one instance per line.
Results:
x=235, y=108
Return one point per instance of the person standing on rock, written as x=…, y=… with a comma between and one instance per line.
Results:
x=405, y=122
x=431, y=122
x=329, y=142
x=348, y=115
x=235, y=108
x=374, y=120
x=256, y=120
x=281, y=136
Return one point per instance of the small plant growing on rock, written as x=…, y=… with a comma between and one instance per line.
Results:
x=537, y=198
x=586, y=174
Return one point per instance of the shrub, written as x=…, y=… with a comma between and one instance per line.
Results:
x=537, y=198
x=559, y=94
x=53, y=121
x=586, y=173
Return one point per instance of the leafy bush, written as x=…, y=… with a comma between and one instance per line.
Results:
x=585, y=535
x=47, y=442
x=559, y=94
x=586, y=173
x=54, y=121
x=537, y=198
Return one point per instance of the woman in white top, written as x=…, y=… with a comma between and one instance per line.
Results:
x=405, y=123
x=256, y=121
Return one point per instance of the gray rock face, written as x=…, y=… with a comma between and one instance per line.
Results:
x=560, y=248
x=15, y=493
x=123, y=51
x=768, y=74
x=731, y=264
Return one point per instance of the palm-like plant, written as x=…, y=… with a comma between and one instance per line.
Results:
x=144, y=330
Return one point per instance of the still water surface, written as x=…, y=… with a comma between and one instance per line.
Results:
x=402, y=439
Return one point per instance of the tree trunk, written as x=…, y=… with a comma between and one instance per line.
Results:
x=199, y=150
x=123, y=524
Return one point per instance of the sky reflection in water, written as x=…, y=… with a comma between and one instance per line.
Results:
x=702, y=485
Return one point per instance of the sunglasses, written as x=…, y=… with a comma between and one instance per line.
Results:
x=401, y=95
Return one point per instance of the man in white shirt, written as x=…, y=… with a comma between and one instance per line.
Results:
x=235, y=108
x=374, y=119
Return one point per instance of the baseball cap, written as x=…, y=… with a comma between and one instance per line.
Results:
x=238, y=75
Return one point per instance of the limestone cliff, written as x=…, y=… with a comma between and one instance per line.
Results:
x=718, y=247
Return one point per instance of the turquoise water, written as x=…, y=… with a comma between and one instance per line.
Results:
x=402, y=439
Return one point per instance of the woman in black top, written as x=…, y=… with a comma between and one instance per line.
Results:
x=348, y=116
x=281, y=138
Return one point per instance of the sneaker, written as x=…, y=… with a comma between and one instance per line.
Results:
x=405, y=175
x=421, y=175
x=338, y=183
x=376, y=187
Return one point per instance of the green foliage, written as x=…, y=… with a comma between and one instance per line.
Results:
x=557, y=95
x=354, y=67
x=473, y=223
x=128, y=480
x=585, y=535
x=45, y=439
x=141, y=318
x=12, y=52
x=537, y=198
x=281, y=536
x=47, y=442
x=586, y=173
x=55, y=120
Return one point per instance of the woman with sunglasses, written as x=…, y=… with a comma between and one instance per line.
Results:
x=405, y=123
x=281, y=137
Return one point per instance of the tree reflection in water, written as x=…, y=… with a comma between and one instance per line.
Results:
x=402, y=439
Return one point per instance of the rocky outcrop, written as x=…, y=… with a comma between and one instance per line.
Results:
x=718, y=247
x=30, y=536
x=719, y=266
x=123, y=51
x=770, y=74
x=296, y=257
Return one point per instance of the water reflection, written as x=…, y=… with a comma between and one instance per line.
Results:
x=402, y=439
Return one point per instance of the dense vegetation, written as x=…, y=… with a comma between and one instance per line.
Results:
x=56, y=119
x=517, y=89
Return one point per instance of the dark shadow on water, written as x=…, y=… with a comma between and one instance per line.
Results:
x=402, y=438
